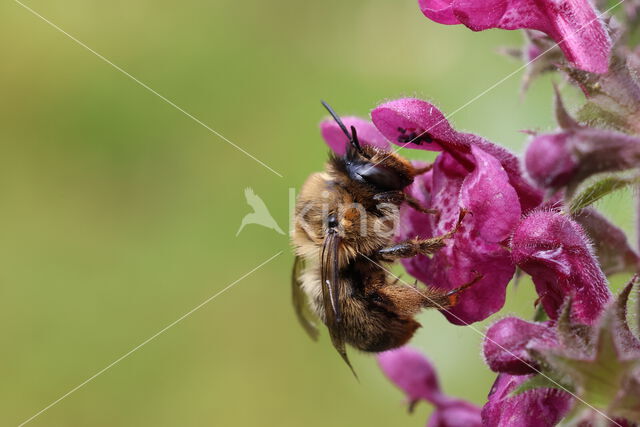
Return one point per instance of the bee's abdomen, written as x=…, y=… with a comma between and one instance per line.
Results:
x=378, y=330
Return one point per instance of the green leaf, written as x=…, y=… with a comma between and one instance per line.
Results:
x=596, y=116
x=598, y=190
x=572, y=335
x=563, y=117
x=540, y=315
x=538, y=381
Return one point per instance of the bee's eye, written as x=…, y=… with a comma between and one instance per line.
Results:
x=332, y=221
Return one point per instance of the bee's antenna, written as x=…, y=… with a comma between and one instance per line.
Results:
x=354, y=139
x=353, y=136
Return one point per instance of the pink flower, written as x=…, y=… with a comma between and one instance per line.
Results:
x=573, y=24
x=549, y=163
x=532, y=408
x=506, y=345
x=553, y=249
x=567, y=157
x=414, y=374
x=452, y=412
x=471, y=174
x=477, y=246
x=538, y=363
x=414, y=123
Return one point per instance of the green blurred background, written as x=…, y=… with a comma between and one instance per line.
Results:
x=119, y=213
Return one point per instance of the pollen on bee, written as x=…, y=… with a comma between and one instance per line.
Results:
x=351, y=214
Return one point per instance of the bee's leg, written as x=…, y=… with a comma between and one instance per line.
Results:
x=394, y=197
x=406, y=300
x=446, y=299
x=413, y=247
x=417, y=206
x=397, y=197
x=424, y=169
x=409, y=300
x=395, y=282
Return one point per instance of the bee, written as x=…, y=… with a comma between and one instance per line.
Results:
x=343, y=235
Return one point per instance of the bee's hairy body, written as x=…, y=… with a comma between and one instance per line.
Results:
x=377, y=312
x=343, y=235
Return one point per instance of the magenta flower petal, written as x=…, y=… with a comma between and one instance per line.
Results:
x=337, y=140
x=553, y=249
x=549, y=160
x=530, y=197
x=439, y=11
x=415, y=123
x=506, y=342
x=573, y=24
x=567, y=157
x=455, y=413
x=477, y=248
x=410, y=119
x=412, y=372
x=487, y=191
x=533, y=408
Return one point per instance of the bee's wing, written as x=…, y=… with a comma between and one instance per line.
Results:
x=331, y=289
x=300, y=300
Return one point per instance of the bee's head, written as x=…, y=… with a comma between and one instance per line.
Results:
x=379, y=169
x=326, y=206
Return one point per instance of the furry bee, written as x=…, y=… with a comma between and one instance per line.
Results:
x=343, y=235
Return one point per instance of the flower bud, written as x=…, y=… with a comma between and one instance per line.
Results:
x=553, y=249
x=414, y=374
x=506, y=345
x=550, y=161
x=532, y=408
